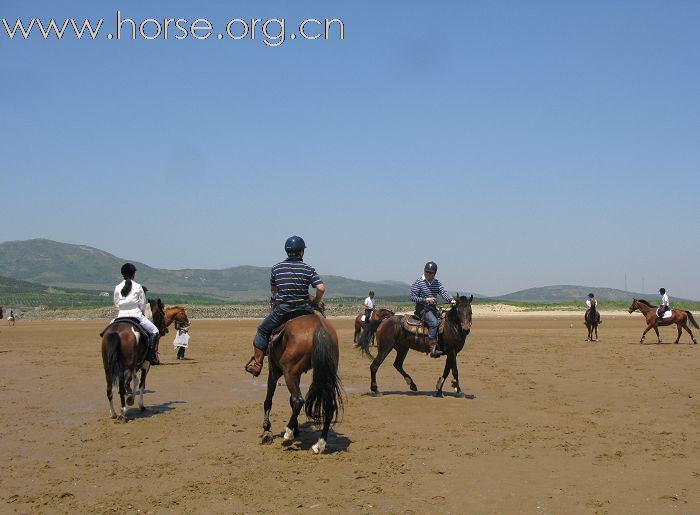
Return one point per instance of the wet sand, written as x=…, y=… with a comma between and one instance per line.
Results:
x=557, y=425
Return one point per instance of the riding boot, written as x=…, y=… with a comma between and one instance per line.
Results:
x=434, y=351
x=152, y=356
x=254, y=366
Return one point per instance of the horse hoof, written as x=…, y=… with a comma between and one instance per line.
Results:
x=129, y=401
x=266, y=438
x=375, y=393
x=413, y=387
x=288, y=438
x=319, y=446
x=114, y=416
x=459, y=395
x=438, y=394
x=143, y=408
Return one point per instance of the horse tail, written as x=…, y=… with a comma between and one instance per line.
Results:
x=325, y=397
x=113, y=364
x=692, y=320
x=366, y=337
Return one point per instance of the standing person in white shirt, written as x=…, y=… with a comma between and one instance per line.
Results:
x=369, y=306
x=665, y=304
x=130, y=300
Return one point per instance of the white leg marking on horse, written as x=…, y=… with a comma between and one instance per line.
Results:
x=319, y=446
x=288, y=434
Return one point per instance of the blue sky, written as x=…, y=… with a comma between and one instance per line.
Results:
x=517, y=144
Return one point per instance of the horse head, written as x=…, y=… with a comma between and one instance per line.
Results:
x=633, y=306
x=461, y=313
x=158, y=315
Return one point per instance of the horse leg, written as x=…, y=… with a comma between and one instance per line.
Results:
x=646, y=331
x=109, y=395
x=272, y=378
x=441, y=379
x=122, y=393
x=398, y=365
x=384, y=350
x=658, y=336
x=596, y=332
x=130, y=377
x=680, y=331
x=142, y=384
x=685, y=326
x=452, y=363
x=296, y=401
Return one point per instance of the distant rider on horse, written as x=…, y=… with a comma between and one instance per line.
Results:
x=424, y=292
x=369, y=306
x=664, y=304
x=289, y=284
x=130, y=300
x=591, y=301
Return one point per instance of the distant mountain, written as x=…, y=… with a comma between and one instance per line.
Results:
x=566, y=293
x=79, y=266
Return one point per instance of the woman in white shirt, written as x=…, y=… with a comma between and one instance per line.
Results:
x=130, y=300
x=664, y=303
x=369, y=306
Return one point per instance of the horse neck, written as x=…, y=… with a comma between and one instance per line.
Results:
x=168, y=318
x=644, y=308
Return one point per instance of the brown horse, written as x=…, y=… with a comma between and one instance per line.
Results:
x=591, y=321
x=307, y=342
x=377, y=314
x=454, y=328
x=124, y=351
x=679, y=317
x=169, y=315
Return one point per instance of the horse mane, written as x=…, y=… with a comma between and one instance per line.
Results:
x=645, y=303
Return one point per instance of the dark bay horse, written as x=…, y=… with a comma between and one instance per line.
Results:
x=591, y=321
x=308, y=342
x=454, y=328
x=377, y=314
x=679, y=317
x=124, y=352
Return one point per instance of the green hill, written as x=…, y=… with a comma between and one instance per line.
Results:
x=79, y=266
x=571, y=293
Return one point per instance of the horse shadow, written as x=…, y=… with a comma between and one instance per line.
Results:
x=154, y=410
x=308, y=436
x=421, y=394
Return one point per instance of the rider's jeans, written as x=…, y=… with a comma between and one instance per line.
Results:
x=432, y=322
x=279, y=314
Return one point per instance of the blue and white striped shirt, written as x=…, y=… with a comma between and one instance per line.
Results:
x=292, y=278
x=422, y=289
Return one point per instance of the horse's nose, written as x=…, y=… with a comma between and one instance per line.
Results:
x=467, y=326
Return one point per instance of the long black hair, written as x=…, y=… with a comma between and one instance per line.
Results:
x=128, y=271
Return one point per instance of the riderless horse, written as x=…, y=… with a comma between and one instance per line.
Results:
x=306, y=342
x=124, y=350
x=680, y=317
x=377, y=314
x=170, y=315
x=396, y=333
x=591, y=320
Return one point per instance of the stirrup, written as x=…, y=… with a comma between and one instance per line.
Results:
x=253, y=367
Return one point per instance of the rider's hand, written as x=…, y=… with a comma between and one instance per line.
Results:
x=430, y=300
x=453, y=302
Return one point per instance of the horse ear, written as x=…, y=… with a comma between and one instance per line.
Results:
x=471, y=298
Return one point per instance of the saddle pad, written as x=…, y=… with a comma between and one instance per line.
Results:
x=362, y=319
x=127, y=320
x=668, y=314
x=412, y=325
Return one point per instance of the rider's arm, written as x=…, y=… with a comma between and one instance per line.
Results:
x=415, y=293
x=320, y=290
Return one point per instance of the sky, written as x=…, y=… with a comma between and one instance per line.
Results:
x=517, y=144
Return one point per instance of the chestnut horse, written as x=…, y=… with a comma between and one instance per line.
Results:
x=591, y=321
x=307, y=342
x=169, y=315
x=377, y=314
x=454, y=327
x=124, y=351
x=679, y=317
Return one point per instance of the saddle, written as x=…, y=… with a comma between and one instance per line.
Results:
x=134, y=322
x=414, y=325
x=278, y=331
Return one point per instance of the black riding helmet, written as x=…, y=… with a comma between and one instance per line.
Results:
x=128, y=270
x=294, y=245
x=662, y=291
x=430, y=266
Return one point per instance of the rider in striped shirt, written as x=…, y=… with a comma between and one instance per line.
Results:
x=289, y=284
x=424, y=292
